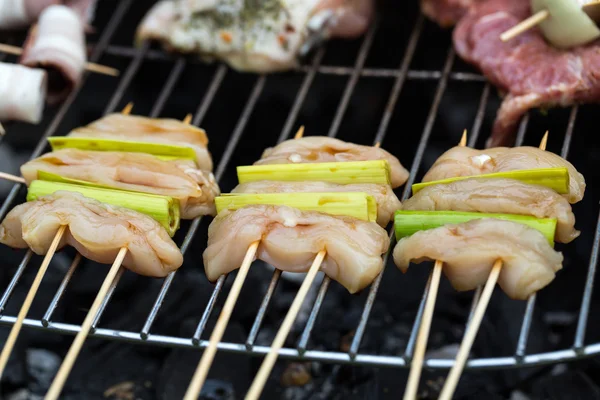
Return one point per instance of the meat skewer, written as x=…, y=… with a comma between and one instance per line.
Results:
x=67, y=364
x=89, y=66
x=269, y=361
x=16, y=328
x=22, y=93
x=473, y=326
x=416, y=365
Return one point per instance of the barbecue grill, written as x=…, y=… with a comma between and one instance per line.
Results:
x=401, y=84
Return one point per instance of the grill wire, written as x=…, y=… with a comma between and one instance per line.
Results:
x=400, y=75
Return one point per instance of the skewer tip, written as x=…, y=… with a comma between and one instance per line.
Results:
x=128, y=108
x=300, y=133
x=377, y=145
x=544, y=141
x=463, y=139
x=188, y=119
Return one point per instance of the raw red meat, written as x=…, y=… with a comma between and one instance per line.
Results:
x=532, y=72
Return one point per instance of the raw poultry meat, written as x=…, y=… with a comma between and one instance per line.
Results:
x=470, y=250
x=98, y=231
x=195, y=189
x=387, y=202
x=22, y=93
x=290, y=239
x=504, y=196
x=465, y=161
x=253, y=35
x=319, y=149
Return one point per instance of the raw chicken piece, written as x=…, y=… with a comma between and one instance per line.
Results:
x=98, y=231
x=158, y=130
x=464, y=161
x=504, y=196
x=138, y=172
x=469, y=251
x=387, y=202
x=319, y=149
x=250, y=35
x=290, y=240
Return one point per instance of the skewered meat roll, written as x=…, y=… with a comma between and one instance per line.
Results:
x=157, y=130
x=446, y=12
x=22, y=93
x=464, y=161
x=387, y=202
x=98, y=231
x=290, y=239
x=532, y=72
x=195, y=189
x=57, y=44
x=319, y=149
x=261, y=36
x=469, y=251
x=500, y=196
x=16, y=14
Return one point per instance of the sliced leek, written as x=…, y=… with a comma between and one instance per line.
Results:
x=160, y=150
x=353, y=204
x=164, y=209
x=50, y=177
x=375, y=171
x=556, y=179
x=407, y=223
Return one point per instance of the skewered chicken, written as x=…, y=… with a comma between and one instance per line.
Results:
x=195, y=189
x=500, y=196
x=319, y=149
x=22, y=93
x=387, y=202
x=259, y=36
x=57, y=44
x=469, y=251
x=98, y=231
x=464, y=161
x=290, y=239
x=137, y=128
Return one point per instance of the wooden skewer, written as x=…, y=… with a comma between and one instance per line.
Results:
x=217, y=334
x=525, y=25
x=193, y=390
x=10, y=177
x=188, y=119
x=473, y=328
x=92, y=67
x=16, y=328
x=416, y=366
x=265, y=369
x=67, y=365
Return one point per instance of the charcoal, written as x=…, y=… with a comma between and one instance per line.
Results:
x=42, y=366
x=572, y=385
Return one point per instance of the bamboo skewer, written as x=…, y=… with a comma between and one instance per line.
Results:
x=90, y=66
x=67, y=364
x=209, y=353
x=473, y=327
x=416, y=366
x=193, y=390
x=16, y=328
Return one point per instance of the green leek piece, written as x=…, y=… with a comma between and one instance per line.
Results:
x=353, y=204
x=375, y=171
x=407, y=222
x=160, y=150
x=556, y=179
x=51, y=177
x=164, y=209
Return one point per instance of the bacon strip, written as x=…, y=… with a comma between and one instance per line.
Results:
x=22, y=93
x=57, y=44
x=15, y=14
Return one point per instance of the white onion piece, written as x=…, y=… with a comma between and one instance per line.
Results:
x=22, y=93
x=568, y=25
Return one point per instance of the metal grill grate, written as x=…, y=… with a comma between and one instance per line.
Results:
x=138, y=56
